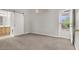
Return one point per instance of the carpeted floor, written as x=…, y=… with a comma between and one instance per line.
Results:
x=35, y=42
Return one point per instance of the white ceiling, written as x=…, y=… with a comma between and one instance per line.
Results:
x=24, y=10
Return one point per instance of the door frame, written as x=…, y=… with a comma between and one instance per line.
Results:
x=74, y=18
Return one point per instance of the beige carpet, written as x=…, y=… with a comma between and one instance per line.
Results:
x=35, y=42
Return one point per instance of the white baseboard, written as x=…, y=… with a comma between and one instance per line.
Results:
x=77, y=48
x=34, y=33
x=50, y=35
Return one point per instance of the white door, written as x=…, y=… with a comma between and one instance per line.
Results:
x=18, y=24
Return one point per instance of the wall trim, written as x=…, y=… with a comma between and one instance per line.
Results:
x=49, y=35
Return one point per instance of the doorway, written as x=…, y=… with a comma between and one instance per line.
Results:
x=5, y=26
x=66, y=24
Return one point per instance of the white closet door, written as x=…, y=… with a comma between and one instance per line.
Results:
x=19, y=24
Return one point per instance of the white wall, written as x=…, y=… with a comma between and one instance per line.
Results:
x=27, y=21
x=45, y=22
x=27, y=27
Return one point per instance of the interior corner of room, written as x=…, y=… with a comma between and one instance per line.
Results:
x=15, y=22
